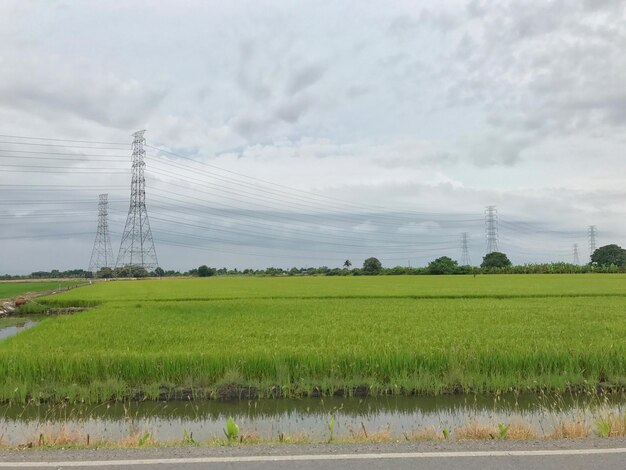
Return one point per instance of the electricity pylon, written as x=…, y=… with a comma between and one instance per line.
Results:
x=102, y=254
x=137, y=246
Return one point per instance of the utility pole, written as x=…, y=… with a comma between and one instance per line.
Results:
x=465, y=257
x=576, y=258
x=491, y=228
x=137, y=246
x=593, y=233
x=102, y=254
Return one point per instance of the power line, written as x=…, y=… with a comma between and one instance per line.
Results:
x=63, y=140
x=34, y=152
x=35, y=144
x=284, y=187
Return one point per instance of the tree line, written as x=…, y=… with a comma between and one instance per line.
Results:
x=606, y=259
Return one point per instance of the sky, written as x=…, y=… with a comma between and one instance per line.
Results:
x=282, y=133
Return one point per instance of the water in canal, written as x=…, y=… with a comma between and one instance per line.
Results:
x=267, y=419
x=15, y=329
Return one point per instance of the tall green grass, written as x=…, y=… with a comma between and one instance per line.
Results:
x=286, y=344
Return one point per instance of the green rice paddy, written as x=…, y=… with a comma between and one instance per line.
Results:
x=225, y=337
x=11, y=289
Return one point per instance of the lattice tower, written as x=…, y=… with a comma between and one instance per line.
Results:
x=102, y=254
x=137, y=246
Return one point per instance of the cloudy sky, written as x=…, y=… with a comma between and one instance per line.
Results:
x=307, y=133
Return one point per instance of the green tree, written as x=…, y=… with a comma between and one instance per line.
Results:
x=159, y=271
x=205, y=271
x=371, y=266
x=609, y=254
x=138, y=271
x=104, y=272
x=347, y=263
x=443, y=265
x=495, y=259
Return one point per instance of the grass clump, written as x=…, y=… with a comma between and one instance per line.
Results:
x=571, y=430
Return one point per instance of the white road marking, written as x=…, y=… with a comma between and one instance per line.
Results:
x=298, y=458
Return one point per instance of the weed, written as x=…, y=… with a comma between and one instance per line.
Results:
x=331, y=427
x=188, y=438
x=144, y=439
x=232, y=430
x=611, y=425
x=503, y=430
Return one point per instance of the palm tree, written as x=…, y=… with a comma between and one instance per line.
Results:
x=347, y=264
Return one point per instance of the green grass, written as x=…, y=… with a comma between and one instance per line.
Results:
x=12, y=289
x=526, y=285
x=483, y=334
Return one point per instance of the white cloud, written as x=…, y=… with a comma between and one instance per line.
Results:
x=442, y=109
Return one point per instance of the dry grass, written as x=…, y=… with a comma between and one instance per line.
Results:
x=570, y=430
x=138, y=439
x=65, y=436
x=522, y=432
x=250, y=438
x=476, y=431
x=480, y=431
x=363, y=435
x=425, y=434
x=299, y=438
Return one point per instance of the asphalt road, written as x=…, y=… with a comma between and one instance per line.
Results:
x=562, y=455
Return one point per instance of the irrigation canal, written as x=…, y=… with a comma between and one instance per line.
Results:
x=397, y=417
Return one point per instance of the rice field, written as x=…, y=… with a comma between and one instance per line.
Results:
x=225, y=337
x=11, y=289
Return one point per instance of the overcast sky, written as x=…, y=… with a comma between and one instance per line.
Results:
x=411, y=116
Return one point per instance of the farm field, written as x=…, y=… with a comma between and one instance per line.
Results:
x=226, y=337
x=11, y=289
x=490, y=286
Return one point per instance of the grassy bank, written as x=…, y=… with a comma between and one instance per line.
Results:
x=277, y=337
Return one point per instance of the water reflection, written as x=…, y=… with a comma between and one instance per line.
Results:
x=15, y=329
x=269, y=418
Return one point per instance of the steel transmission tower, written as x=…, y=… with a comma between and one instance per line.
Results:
x=593, y=233
x=465, y=257
x=102, y=254
x=137, y=246
x=576, y=258
x=491, y=228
